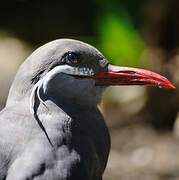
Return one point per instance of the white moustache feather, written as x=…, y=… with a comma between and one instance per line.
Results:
x=43, y=83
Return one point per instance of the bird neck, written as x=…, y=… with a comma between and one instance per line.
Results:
x=72, y=120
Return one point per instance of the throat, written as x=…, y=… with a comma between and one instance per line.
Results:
x=63, y=120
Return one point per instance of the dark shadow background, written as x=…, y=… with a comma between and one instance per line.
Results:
x=41, y=21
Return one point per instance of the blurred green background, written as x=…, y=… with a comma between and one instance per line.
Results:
x=143, y=122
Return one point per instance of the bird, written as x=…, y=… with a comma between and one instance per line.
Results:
x=51, y=127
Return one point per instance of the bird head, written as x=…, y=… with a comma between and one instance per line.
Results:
x=74, y=71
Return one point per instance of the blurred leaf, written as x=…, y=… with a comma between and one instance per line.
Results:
x=120, y=41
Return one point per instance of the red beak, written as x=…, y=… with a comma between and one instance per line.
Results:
x=117, y=75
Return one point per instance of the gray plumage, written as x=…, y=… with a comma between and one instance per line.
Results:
x=66, y=107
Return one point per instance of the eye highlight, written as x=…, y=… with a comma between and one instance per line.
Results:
x=72, y=58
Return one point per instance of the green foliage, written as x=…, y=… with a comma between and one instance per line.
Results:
x=119, y=41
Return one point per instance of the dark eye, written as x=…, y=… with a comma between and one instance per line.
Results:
x=72, y=58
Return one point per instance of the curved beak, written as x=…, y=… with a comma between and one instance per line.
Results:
x=116, y=75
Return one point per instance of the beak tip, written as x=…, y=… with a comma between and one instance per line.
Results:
x=168, y=85
x=171, y=86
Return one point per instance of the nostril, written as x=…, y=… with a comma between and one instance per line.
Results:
x=128, y=71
